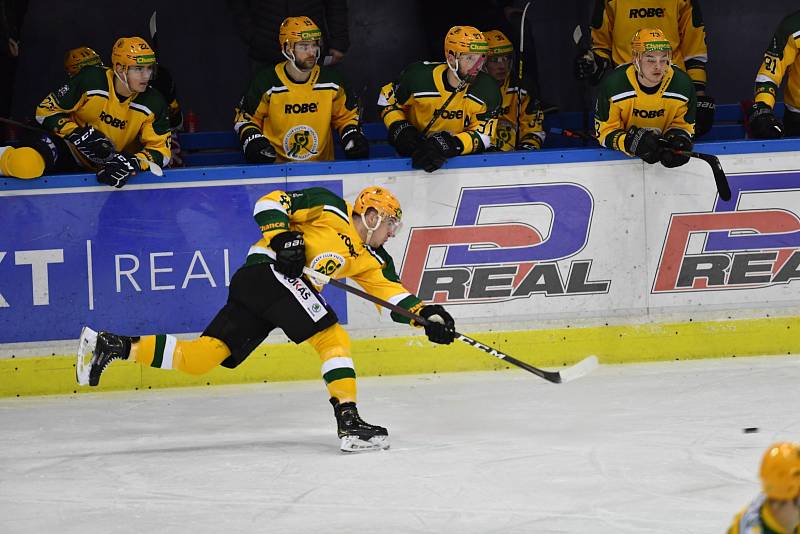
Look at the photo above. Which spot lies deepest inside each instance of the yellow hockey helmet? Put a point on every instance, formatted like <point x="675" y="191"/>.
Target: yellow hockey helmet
<point x="499" y="44"/>
<point x="381" y="199"/>
<point x="294" y="29"/>
<point x="132" y="51"/>
<point x="77" y="58"/>
<point x="780" y="471"/>
<point x="465" y="40"/>
<point x="650" y="40"/>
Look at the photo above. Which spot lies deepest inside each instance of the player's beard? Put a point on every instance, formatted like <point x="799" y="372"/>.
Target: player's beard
<point x="306" y="64"/>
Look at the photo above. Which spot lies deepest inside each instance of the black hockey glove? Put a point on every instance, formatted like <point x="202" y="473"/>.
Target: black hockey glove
<point x="643" y="143"/>
<point x="590" y="67"/>
<point x="441" y="327"/>
<point x="704" y="119"/>
<point x="92" y="144"/>
<point x="675" y="139"/>
<point x="434" y="151"/>
<point x="763" y="123"/>
<point x="404" y="138"/>
<point x="290" y="253"/>
<point x="117" y="170"/>
<point x="355" y="143"/>
<point x="257" y="148"/>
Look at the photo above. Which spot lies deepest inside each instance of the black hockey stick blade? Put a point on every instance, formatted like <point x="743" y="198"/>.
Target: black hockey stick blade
<point x="723" y="188"/>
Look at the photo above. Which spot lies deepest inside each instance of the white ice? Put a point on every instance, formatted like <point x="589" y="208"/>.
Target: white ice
<point x="629" y="449"/>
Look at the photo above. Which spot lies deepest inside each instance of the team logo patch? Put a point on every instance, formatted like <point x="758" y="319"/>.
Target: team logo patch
<point x="301" y="142"/>
<point x="327" y="263"/>
<point x="505" y="134"/>
<point x="61" y="91"/>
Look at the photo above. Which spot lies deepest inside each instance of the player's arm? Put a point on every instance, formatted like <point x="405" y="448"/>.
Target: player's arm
<point x="54" y="112"/>
<point x="531" y="123"/>
<point x="402" y="135"/>
<point x="482" y="110"/>
<point x="780" y="55"/>
<point x="155" y="138"/>
<point x="345" y="118"/>
<point x="693" y="43"/>
<point x="250" y="115"/>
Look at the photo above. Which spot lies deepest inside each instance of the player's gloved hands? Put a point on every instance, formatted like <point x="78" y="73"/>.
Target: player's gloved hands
<point x="591" y="67"/>
<point x="675" y="139"/>
<point x="530" y="143"/>
<point x="117" y="170"/>
<point x="92" y="144"/>
<point x="763" y="123"/>
<point x="643" y="143"/>
<point x="290" y="253"/>
<point x="257" y="148"/>
<point x="434" y="151"/>
<point x="441" y="327"/>
<point x="704" y="119"/>
<point x="355" y="143"/>
<point x="404" y="138"/>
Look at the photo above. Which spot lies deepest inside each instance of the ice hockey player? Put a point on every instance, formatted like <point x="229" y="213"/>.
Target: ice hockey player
<point x="307" y="228"/>
<point x="780" y="60"/>
<point x="499" y="66"/>
<point x="415" y="104"/>
<point x="646" y="108"/>
<point x="289" y="109"/>
<point x="77" y="58"/>
<point x="614" y="21"/>
<point x="105" y="120"/>
<point x="777" y="508"/>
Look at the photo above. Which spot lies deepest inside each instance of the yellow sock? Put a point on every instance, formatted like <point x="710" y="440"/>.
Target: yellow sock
<point x="338" y="371"/>
<point x="166" y="352"/>
<point x="23" y="162"/>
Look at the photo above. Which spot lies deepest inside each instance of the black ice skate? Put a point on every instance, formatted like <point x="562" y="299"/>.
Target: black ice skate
<point x="104" y="348"/>
<point x="357" y="436"/>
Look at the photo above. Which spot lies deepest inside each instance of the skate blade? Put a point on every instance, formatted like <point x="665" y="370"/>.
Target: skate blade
<point x="86" y="345"/>
<point x="355" y="444"/>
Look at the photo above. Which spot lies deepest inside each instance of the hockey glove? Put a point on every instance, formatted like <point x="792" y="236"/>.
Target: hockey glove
<point x="257" y="148"/>
<point x="290" y="253"/>
<point x="355" y="143"/>
<point x="704" y="119"/>
<point x="590" y="67"/>
<point x="92" y="144"/>
<point x="675" y="139"/>
<point x="118" y="169"/>
<point x="404" y="138"/>
<point x="643" y="143"/>
<point x="763" y="123"/>
<point x="441" y="327"/>
<point x="434" y="151"/>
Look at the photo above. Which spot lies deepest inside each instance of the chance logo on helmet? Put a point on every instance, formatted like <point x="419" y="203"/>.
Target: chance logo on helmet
<point x="131" y="51"/>
<point x="650" y="40"/>
<point x="499" y="44"/>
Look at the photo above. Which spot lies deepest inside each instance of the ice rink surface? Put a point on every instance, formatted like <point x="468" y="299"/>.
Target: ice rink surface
<point x="640" y="448"/>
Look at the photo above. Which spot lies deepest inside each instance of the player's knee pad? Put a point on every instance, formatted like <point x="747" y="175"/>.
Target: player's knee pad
<point x="23" y="162"/>
<point x="331" y="342"/>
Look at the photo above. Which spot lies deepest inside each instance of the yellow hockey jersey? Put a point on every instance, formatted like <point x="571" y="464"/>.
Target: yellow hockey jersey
<point x="422" y="89"/>
<point x="781" y="59"/>
<point x="531" y="122"/>
<point x="757" y="518"/>
<point x="622" y="103"/>
<point x="615" y="21"/>
<point x="297" y="117"/>
<point x="138" y="124"/>
<point x="333" y="246"/>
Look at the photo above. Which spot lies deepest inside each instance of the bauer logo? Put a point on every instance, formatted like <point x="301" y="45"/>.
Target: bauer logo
<point x="505" y="243"/>
<point x="750" y="242"/>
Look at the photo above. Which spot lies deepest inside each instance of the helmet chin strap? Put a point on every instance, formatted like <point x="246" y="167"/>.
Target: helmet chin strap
<point x="454" y="69"/>
<point x="372" y="229"/>
<point x="124" y="80"/>
<point x="293" y="60"/>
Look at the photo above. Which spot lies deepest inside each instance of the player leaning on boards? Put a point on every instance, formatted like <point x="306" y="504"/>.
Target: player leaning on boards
<point x="531" y="117"/>
<point x="646" y="108"/>
<point x="106" y="120"/>
<point x="614" y="21"/>
<point x="288" y="110"/>
<point x="436" y="111"/>
<point x="777" y="509"/>
<point x="311" y="227"/>
<point x="780" y="60"/>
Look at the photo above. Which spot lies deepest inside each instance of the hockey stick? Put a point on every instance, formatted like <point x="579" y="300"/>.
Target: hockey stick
<point x="574" y="134"/>
<point x="438" y="112"/>
<point x="584" y="367"/>
<point x="519" y="73"/>
<point x="723" y="188"/>
<point x="577" y="36"/>
<point x="153" y="167"/>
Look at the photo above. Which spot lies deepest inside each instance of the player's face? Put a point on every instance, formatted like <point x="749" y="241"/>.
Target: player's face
<point x="388" y="228"/>
<point x="653" y="66"/>
<point x="498" y="67"/>
<point x="139" y="76"/>
<point x="306" y="54"/>
<point x="469" y="64"/>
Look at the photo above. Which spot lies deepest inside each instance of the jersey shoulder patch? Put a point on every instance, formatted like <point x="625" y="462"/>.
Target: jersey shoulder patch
<point x="616" y="83"/>
<point x="485" y="88"/>
<point x="681" y="83"/>
<point x="418" y="77"/>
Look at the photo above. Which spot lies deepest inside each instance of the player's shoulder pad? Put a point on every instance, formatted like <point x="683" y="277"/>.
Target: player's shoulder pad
<point x="616" y="82"/>
<point x="330" y="75"/>
<point x="153" y="100"/>
<point x="266" y="77"/>
<point x="91" y="77"/>
<point x="389" y="270"/>
<point x="418" y="73"/>
<point x="680" y="83"/>
<point x="485" y="88"/>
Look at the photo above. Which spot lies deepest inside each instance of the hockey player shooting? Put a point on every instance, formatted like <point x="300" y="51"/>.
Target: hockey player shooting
<point x="780" y="60"/>
<point x="106" y="120"/>
<point x="436" y="111"/>
<point x="777" y="509"/>
<point x="288" y="110"/>
<point x="308" y="228"/>
<point x="523" y="116"/>
<point x="646" y="108"/>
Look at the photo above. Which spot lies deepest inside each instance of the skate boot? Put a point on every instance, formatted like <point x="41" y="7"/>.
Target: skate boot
<point x="357" y="436"/>
<point x="104" y="348"/>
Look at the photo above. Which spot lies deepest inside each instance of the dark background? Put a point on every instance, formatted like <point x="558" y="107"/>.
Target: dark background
<point x="199" y="43"/>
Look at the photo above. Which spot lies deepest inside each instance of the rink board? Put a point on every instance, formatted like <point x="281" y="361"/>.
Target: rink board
<point x="574" y="258"/>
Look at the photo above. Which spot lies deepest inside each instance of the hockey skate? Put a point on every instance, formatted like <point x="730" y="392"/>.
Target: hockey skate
<point x="96" y="351"/>
<point x="357" y="436"/>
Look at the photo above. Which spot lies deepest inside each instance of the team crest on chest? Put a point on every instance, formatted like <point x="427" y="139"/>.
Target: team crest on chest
<point x="301" y="142"/>
<point x="327" y="263"/>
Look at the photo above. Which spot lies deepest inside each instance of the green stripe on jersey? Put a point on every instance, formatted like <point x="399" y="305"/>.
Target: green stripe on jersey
<point x="158" y="357"/>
